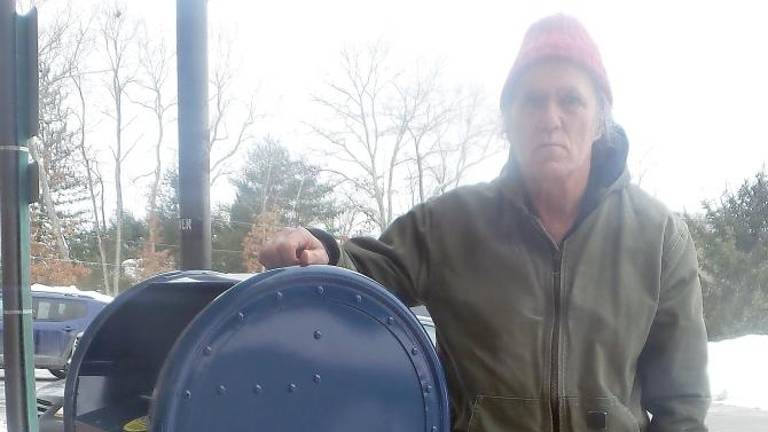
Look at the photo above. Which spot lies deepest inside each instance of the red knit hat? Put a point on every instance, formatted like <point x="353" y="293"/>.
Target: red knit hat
<point x="559" y="37"/>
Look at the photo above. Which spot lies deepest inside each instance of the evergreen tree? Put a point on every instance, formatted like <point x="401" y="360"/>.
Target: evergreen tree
<point x="273" y="190"/>
<point x="732" y="241"/>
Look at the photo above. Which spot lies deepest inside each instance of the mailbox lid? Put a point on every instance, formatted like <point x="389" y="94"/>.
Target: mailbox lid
<point x="317" y="348"/>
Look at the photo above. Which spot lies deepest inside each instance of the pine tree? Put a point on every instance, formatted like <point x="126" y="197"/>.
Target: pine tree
<point x="273" y="190"/>
<point x="732" y="241"/>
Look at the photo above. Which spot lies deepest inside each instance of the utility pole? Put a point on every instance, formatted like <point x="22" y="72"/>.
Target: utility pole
<point x="194" y="161"/>
<point x="18" y="188"/>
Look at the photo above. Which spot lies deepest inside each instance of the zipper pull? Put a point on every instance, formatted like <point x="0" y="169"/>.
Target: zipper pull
<point x="557" y="259"/>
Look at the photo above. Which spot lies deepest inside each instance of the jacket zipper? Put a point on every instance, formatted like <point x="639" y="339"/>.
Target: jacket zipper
<point x="557" y="261"/>
<point x="557" y="264"/>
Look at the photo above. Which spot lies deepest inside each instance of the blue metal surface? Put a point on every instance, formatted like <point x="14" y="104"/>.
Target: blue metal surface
<point x="302" y="349"/>
<point x="318" y="348"/>
<point x="119" y="357"/>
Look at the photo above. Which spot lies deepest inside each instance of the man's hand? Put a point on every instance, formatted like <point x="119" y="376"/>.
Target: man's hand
<point x="293" y="246"/>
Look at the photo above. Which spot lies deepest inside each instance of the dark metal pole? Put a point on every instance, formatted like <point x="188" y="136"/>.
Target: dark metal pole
<point x="18" y="122"/>
<point x="194" y="163"/>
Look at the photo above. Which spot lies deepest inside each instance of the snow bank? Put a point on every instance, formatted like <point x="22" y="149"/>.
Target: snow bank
<point x="738" y="371"/>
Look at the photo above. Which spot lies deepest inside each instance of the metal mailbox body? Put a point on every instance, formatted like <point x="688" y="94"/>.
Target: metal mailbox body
<point x="300" y="349"/>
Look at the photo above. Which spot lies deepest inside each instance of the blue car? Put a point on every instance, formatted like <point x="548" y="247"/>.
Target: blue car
<point x="60" y="315"/>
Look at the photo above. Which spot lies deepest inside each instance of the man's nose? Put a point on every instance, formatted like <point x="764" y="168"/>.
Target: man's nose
<point x="550" y="117"/>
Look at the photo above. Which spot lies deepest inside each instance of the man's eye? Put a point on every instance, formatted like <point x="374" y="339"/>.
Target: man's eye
<point x="572" y="101"/>
<point x="534" y="100"/>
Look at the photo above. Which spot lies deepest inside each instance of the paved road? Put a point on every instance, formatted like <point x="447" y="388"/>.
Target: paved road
<point x="46" y="384"/>
<point x="722" y="418"/>
<point x="725" y="418"/>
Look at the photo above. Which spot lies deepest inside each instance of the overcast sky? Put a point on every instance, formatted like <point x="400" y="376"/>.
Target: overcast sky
<point x="690" y="79"/>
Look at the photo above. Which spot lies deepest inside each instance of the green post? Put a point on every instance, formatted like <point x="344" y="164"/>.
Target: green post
<point x="18" y="123"/>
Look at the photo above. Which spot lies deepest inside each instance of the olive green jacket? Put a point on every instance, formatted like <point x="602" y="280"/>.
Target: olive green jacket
<point x="590" y="334"/>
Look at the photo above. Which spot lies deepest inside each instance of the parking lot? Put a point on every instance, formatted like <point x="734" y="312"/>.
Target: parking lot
<point x="46" y="384"/>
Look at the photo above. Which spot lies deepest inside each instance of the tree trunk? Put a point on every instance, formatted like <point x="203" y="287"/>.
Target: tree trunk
<point x="118" y="187"/>
<point x="420" y="172"/>
<point x="90" y="185"/>
<point x="48" y="204"/>
<point x="153" y="219"/>
<point x="295" y="210"/>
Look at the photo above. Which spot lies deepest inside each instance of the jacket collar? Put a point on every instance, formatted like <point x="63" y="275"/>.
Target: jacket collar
<point x="608" y="173"/>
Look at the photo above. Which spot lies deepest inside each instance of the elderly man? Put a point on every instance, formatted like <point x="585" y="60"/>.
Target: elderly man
<point x="565" y="298"/>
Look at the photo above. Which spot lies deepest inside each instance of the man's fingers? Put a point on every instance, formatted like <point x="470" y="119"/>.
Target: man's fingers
<point x="313" y="257"/>
<point x="293" y="246"/>
<point x="287" y="253"/>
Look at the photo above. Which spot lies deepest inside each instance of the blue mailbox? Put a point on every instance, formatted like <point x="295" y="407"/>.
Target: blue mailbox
<point x="317" y="349"/>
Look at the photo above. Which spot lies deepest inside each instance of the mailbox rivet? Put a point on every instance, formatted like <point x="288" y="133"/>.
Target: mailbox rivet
<point x="427" y="388"/>
<point x="187" y="394"/>
<point x="208" y="350"/>
<point x="279" y="295"/>
<point x="318" y="334"/>
<point x="358" y="298"/>
<point x="434" y="428"/>
<point x="221" y="390"/>
<point x="241" y="316"/>
<point x="320" y="290"/>
<point x="257" y="389"/>
<point x="292" y="388"/>
<point x="414" y="351"/>
<point x="316" y="379"/>
<point x="390" y="320"/>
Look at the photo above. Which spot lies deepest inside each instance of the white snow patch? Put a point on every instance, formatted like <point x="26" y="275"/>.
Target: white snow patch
<point x="738" y="371"/>
<point x="71" y="290"/>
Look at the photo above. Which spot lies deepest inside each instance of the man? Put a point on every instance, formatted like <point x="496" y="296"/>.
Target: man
<point x="565" y="298"/>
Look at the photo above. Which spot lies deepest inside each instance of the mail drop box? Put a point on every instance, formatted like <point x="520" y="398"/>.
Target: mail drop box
<point x="317" y="349"/>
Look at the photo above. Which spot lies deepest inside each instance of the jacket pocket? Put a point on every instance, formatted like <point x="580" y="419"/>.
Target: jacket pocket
<point x="504" y="414"/>
<point x="599" y="414"/>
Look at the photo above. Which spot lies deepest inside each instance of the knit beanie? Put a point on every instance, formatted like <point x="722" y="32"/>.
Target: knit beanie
<point x="557" y="37"/>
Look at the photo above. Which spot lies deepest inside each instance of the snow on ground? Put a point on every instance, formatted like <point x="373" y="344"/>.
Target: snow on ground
<point x="738" y="371"/>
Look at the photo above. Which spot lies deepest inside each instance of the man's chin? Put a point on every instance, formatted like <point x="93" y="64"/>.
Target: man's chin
<point x="552" y="168"/>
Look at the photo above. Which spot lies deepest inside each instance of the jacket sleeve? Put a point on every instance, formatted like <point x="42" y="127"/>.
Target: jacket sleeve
<point x="400" y="259"/>
<point x="673" y="365"/>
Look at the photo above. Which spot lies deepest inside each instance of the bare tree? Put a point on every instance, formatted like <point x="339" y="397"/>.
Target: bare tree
<point x="90" y="162"/>
<point x="59" y="51"/>
<point x="393" y="134"/>
<point x="78" y="76"/>
<point x="118" y="35"/>
<point x="470" y="139"/>
<point x="92" y="179"/>
<point x="155" y="64"/>
<point x="48" y="203"/>
<point x="351" y="220"/>
<point x="227" y="135"/>
<point x="431" y="119"/>
<point x="369" y="127"/>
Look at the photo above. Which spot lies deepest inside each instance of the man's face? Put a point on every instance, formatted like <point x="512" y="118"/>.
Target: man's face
<point x="553" y="120"/>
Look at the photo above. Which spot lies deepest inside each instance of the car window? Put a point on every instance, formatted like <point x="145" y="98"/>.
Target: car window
<point x="57" y="310"/>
